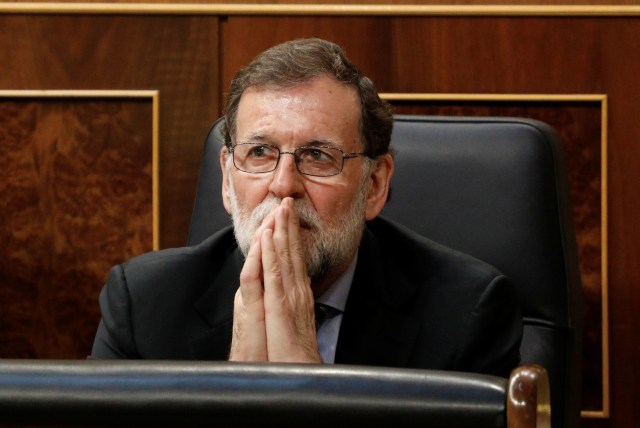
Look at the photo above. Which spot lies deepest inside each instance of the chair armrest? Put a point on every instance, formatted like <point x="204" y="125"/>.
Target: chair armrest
<point x="248" y="395"/>
<point x="528" y="402"/>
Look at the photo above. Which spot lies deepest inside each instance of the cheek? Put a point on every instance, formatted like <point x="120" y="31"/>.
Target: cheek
<point x="333" y="202"/>
<point x="250" y="190"/>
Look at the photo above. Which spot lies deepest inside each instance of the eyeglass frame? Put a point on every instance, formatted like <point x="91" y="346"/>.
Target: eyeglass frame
<point x="296" y="158"/>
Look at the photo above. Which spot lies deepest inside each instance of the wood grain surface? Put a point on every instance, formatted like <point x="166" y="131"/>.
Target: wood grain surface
<point x="190" y="59"/>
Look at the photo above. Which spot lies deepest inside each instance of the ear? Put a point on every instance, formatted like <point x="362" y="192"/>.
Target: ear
<point x="224" y="153"/>
<point x="379" y="182"/>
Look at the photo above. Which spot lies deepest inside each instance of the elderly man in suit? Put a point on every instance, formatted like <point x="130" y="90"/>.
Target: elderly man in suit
<point x="306" y="171"/>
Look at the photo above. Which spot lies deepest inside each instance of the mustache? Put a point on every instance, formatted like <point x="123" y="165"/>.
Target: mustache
<point x="307" y="215"/>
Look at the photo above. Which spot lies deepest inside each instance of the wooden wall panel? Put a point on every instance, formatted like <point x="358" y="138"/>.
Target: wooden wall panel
<point x="49" y="283"/>
<point x="190" y="58"/>
<point x="176" y="55"/>
<point x="366" y="40"/>
<point x="76" y="190"/>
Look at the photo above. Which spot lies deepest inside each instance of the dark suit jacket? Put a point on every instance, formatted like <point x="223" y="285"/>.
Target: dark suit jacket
<point x="413" y="303"/>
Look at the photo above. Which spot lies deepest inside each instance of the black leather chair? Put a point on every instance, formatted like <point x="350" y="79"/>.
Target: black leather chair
<point x="495" y="188"/>
<point x="492" y="187"/>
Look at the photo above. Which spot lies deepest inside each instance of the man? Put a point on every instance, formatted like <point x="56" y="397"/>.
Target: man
<point x="306" y="170"/>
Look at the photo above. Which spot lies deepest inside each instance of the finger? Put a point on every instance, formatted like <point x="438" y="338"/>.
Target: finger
<point x="279" y="307"/>
<point x="251" y="286"/>
<point x="288" y="303"/>
<point x="296" y="248"/>
<point x="271" y="272"/>
<point x="281" y="243"/>
<point x="267" y="223"/>
<point x="297" y="283"/>
<point x="249" y="337"/>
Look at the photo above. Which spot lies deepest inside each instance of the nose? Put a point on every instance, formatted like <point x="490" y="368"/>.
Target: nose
<point x="286" y="179"/>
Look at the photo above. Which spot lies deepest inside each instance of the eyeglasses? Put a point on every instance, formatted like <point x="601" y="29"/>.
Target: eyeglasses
<point x="318" y="161"/>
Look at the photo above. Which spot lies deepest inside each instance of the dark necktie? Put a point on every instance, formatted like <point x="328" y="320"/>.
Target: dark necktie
<point x="323" y="312"/>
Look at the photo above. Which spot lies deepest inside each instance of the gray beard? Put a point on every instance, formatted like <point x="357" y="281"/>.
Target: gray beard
<point x="329" y="245"/>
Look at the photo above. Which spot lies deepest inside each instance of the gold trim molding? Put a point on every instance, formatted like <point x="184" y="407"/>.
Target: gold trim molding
<point x="111" y="94"/>
<point x="602" y="99"/>
<point x="318" y="9"/>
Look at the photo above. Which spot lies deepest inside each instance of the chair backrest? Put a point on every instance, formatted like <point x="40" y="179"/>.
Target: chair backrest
<point x="495" y="188"/>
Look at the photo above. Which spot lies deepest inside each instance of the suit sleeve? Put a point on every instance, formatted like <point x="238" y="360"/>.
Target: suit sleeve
<point x="491" y="342"/>
<point x="114" y="338"/>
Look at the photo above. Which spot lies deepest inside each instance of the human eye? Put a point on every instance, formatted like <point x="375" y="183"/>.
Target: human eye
<point x="252" y="157"/>
<point x="258" y="151"/>
<point x="319" y="154"/>
<point x="319" y="161"/>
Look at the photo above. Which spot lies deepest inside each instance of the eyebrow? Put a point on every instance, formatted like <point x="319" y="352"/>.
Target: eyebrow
<point x="259" y="137"/>
<point x="325" y="142"/>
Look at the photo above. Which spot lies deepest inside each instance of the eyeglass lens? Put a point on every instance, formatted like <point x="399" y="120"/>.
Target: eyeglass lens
<point x="260" y="158"/>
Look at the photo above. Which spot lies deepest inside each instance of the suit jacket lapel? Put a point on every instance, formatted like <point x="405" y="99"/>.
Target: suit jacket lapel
<point x="374" y="329"/>
<point x="216" y="307"/>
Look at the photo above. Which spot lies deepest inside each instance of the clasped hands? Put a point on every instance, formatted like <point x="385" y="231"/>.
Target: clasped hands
<point x="273" y="308"/>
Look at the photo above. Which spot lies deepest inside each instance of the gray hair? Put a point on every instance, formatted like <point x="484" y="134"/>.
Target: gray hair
<point x="296" y="62"/>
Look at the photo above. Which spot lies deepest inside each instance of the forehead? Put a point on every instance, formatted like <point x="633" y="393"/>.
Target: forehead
<point x="319" y="109"/>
